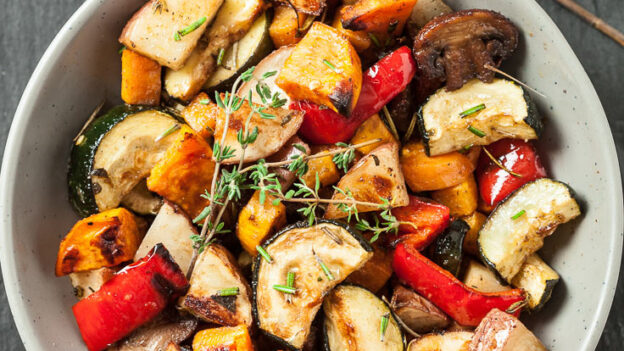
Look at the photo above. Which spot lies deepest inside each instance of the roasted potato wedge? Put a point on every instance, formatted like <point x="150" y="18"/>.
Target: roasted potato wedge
<point x="104" y="239"/>
<point x="452" y="341"/>
<point x="418" y="313"/>
<point x="504" y="332"/>
<point x="86" y="283"/>
<point x="325" y="69"/>
<point x="479" y="277"/>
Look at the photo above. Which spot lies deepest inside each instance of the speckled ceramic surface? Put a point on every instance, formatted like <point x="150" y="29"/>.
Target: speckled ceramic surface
<point x="81" y="68"/>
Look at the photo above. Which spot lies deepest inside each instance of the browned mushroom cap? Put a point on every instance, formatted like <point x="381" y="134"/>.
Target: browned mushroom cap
<point x="455" y="48"/>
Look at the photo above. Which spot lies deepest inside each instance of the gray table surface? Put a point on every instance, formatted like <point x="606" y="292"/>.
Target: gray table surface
<point x="28" y="26"/>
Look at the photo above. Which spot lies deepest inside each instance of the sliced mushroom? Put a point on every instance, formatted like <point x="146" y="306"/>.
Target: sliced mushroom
<point x="418" y="313"/>
<point x="456" y="47"/>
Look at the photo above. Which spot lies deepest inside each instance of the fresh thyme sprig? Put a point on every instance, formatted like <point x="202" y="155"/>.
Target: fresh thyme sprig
<point x="343" y="159"/>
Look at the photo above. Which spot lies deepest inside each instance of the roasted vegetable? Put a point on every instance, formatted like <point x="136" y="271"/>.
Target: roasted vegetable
<point x="257" y="221"/>
<point x="375" y="177"/>
<point x="325" y="167"/>
<point x="422" y="220"/>
<point x="320" y="257"/>
<point x="517" y="156"/>
<point x="359" y="39"/>
<point x="504" y="332"/>
<point x="477" y="114"/>
<point x="174" y="229"/>
<point x="218" y="293"/>
<point x="373" y="128"/>
<point x="181" y="176"/>
<point x="380" y="84"/>
<point x="352" y="321"/>
<point x="538" y="280"/>
<point x="114" y="154"/>
<point x="424" y="173"/>
<point x="103" y="240"/>
<point x="88" y="282"/>
<point x="243" y="54"/>
<point x="479" y="277"/>
<point x="325" y="69"/>
<point x="462" y="303"/>
<point x="423" y="12"/>
<point x="476" y="222"/>
<point x="293" y="148"/>
<point x="518" y="226"/>
<point x="273" y="133"/>
<point x="232" y="22"/>
<point x="274" y="62"/>
<point x="201" y="115"/>
<point x="142" y="201"/>
<point x="461" y="199"/>
<point x="310" y="7"/>
<point x="168" y="328"/>
<point x="146" y="286"/>
<point x="169" y="32"/>
<point x="418" y="313"/>
<point x="287" y="27"/>
<point x="384" y="17"/>
<point x="456" y="47"/>
<point x="223" y="339"/>
<point x="447" y="250"/>
<point x="376" y="272"/>
<point x="140" y="79"/>
<point x="452" y="341"/>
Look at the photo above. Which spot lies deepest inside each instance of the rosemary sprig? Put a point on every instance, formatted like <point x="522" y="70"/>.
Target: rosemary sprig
<point x="476" y="132"/>
<point x="326" y="270"/>
<point x="192" y="27"/>
<point x="472" y="111"/>
<point x="518" y="215"/>
<point x="167" y="132"/>
<point x="500" y="165"/>
<point x="228" y="291"/>
<point x="383" y="326"/>
<point x="330" y="65"/>
<point x="284" y="289"/>
<point x="220" y="56"/>
<point x="264" y="254"/>
<point x="374" y="39"/>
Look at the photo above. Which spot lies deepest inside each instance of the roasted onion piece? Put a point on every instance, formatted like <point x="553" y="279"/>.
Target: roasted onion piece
<point x="456" y="47"/>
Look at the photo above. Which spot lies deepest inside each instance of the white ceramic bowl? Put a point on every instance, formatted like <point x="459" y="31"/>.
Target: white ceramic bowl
<point x="82" y="67"/>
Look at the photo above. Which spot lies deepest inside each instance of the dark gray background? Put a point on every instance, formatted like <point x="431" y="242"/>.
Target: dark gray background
<point x="28" y="26"/>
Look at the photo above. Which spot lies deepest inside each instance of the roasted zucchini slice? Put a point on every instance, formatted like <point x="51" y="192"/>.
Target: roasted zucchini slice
<point x="243" y="54"/>
<point x="480" y="278"/>
<point x="115" y="153"/>
<point x="538" y="280"/>
<point x="477" y="114"/>
<point x="517" y="227"/>
<point x="142" y="201"/>
<point x="353" y="321"/>
<point x="447" y="250"/>
<point x="320" y="256"/>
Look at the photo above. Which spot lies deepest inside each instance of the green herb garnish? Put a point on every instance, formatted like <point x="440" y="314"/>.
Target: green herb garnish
<point x="326" y="270"/>
<point x="476" y="131"/>
<point x="472" y="110"/>
<point x="228" y="291"/>
<point x="373" y="37"/>
<point x="518" y="215"/>
<point x="193" y="26"/>
<point x="220" y="56"/>
<point x="383" y="326"/>
<point x="167" y="132"/>
<point x="264" y="254"/>
<point x="285" y="289"/>
<point x="330" y="65"/>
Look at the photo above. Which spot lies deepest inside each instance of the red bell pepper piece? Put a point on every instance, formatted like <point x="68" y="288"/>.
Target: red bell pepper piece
<point x="465" y="305"/>
<point x="380" y="84"/>
<point x="518" y="156"/>
<point x="427" y="219"/>
<point x="132" y="297"/>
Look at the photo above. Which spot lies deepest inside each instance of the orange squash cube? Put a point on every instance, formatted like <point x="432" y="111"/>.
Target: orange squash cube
<point x="201" y="115"/>
<point x="223" y="339"/>
<point x="140" y="79"/>
<point x="284" y="29"/>
<point x="378" y="16"/>
<point x="257" y="221"/>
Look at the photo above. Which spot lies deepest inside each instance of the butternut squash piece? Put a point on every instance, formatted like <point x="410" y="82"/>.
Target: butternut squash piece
<point x="310" y="7"/>
<point x="201" y="115"/>
<point x="173" y="347"/>
<point x="257" y="221"/>
<point x="359" y="39"/>
<point x="475" y="221"/>
<point x="223" y="339"/>
<point x="324" y="68"/>
<point x="284" y="29"/>
<point x="327" y="171"/>
<point x="184" y="172"/>
<point x="378" y="16"/>
<point x="424" y="173"/>
<point x="104" y="239"/>
<point x="372" y="128"/>
<point x="140" y="79"/>
<point x="461" y="199"/>
<point x="376" y="272"/>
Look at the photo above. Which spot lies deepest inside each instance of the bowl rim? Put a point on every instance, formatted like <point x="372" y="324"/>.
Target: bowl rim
<point x="89" y="8"/>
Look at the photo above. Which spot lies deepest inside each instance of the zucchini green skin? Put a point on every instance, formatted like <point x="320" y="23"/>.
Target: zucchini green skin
<point x="482" y="255"/>
<point x="326" y="346"/>
<point x="81" y="194"/>
<point x="447" y="249"/>
<point x="548" y="289"/>
<point x="262" y="50"/>
<point x="258" y="261"/>
<point x="533" y="119"/>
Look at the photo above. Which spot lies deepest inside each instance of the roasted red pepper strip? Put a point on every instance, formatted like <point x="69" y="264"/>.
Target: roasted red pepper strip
<point x="462" y="303"/>
<point x="132" y="297"/>
<point x="427" y="219"/>
<point x="518" y="156"/>
<point x="380" y="84"/>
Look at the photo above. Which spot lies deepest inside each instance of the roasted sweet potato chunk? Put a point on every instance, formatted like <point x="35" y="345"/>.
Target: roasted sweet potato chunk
<point x="324" y="68"/>
<point x="424" y="173"/>
<point x="324" y="166"/>
<point x="461" y="199"/>
<point x="184" y="172"/>
<point x="310" y="7"/>
<point x="223" y="339"/>
<point x="140" y="79"/>
<point x="376" y="272"/>
<point x="476" y="222"/>
<point x="373" y="128"/>
<point x="378" y="16"/>
<point x="256" y="221"/>
<point x="359" y="39"/>
<point x="201" y="115"/>
<point x="286" y="26"/>
<point x="102" y="240"/>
